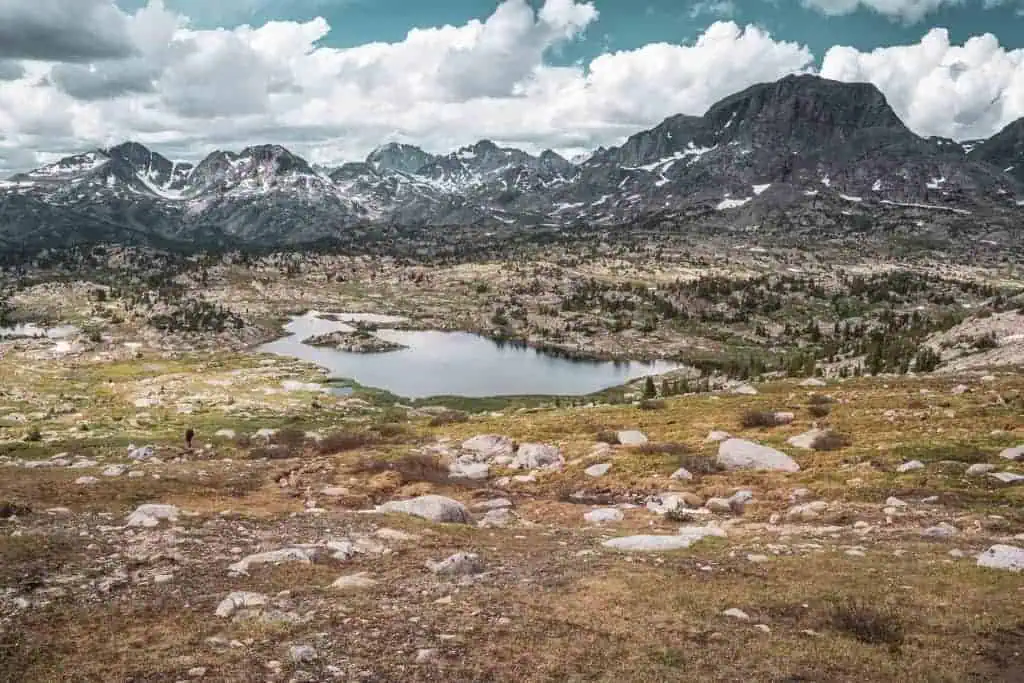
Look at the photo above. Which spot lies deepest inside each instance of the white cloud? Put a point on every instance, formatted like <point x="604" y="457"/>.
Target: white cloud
<point x="187" y="91"/>
<point x="62" y="30"/>
<point x="909" y="11"/>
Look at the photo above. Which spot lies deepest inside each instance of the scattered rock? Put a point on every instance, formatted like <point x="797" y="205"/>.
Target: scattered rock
<point x="813" y="382"/>
<point x="499" y="517"/>
<point x="682" y="474"/>
<point x="354" y="582"/>
<point x="434" y="508"/>
<point x="979" y="469"/>
<point x="598" y="470"/>
<point x="808" y="512"/>
<point x="1015" y="453"/>
<point x="459" y="564"/>
<point x="717" y="437"/>
<point x="486" y="447"/>
<point x="806" y="440"/>
<point x="532" y="456"/>
<point x="225" y="434"/>
<point x="601" y="515"/>
<point x="239" y="600"/>
<point x="474" y="471"/>
<point x="114" y="471"/>
<point x="425" y="655"/>
<point x="940" y="530"/>
<point x="894" y="502"/>
<point x="632" y="437"/>
<point x="959" y="389"/>
<point x="784" y="418"/>
<point x="910" y="466"/>
<point x="302" y="654"/>
<point x="1007" y="557"/>
<point x="736" y="613"/>
<point x="686" y="537"/>
<point x="744" y="390"/>
<point x="151" y="514"/>
<point x="143" y="453"/>
<point x="735" y="454"/>
<point x="271" y="557"/>
<point x="86" y="481"/>
<point x="1007" y="477"/>
<point x="720" y="506"/>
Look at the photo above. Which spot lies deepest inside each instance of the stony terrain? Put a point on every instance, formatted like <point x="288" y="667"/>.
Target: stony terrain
<point x="863" y="529"/>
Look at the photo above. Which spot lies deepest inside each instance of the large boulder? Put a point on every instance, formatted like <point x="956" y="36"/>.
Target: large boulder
<point x="632" y="437"/>
<point x="487" y="447"/>
<point x="1007" y="557"/>
<point x="1015" y="453"/>
<point x="433" y="508"/>
<point x="739" y="454"/>
<point x="686" y="537"/>
<point x="531" y="456"/>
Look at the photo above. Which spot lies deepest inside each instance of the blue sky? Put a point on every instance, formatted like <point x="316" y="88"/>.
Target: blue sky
<point x="627" y="24"/>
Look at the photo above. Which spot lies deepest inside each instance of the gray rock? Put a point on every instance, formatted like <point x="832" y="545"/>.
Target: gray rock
<point x="744" y="390"/>
<point x="302" y="654"/>
<point x="736" y="613"/>
<point x="717" y="436"/>
<point x="114" y="471"/>
<point x="910" y="466"/>
<point x="894" y="502"/>
<point x="720" y="506"/>
<point x="499" y="517"/>
<point x="959" y="389"/>
<point x="807" y="439"/>
<point x="225" y="434"/>
<point x="1015" y="453"/>
<point x="598" y="470"/>
<point x="532" y="456"/>
<point x="239" y="600"/>
<point x="1007" y="477"/>
<point x="808" y="512"/>
<point x="979" y="469"/>
<point x="486" y="447"/>
<point x="354" y="582"/>
<point x="813" y="382"/>
<point x="686" y="537"/>
<point x="151" y="514"/>
<point x="142" y="453"/>
<point x="941" y="530"/>
<point x="1007" y="557"/>
<point x="425" y="655"/>
<point x="272" y="557"/>
<point x="86" y="481"/>
<point x="459" y="564"/>
<point x="682" y="474"/>
<point x="602" y="515"/>
<point x="784" y="418"/>
<point x="737" y="454"/>
<point x="474" y="471"/>
<point x="631" y="437"/>
<point x="434" y="508"/>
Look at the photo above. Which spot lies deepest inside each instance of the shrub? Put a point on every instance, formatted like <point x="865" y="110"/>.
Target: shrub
<point x="449" y="417"/>
<point x="243" y="441"/>
<point x="391" y="430"/>
<point x="289" y="437"/>
<point x="666" y="448"/>
<point x="33" y="434"/>
<point x="868" y="623"/>
<point x="820" y="400"/>
<point x="830" y="441"/>
<point x="608" y="436"/>
<point x="413" y="468"/>
<point x="819" y="410"/>
<point x="273" y="452"/>
<point x="700" y="464"/>
<point x="758" y="418"/>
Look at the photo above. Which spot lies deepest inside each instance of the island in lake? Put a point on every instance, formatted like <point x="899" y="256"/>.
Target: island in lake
<point x="356" y="341"/>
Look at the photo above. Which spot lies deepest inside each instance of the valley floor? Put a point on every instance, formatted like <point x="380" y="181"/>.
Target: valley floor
<point x="878" y="581"/>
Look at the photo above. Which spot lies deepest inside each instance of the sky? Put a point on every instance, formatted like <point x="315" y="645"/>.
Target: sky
<point x="332" y="79"/>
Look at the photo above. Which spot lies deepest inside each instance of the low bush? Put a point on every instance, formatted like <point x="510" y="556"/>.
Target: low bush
<point x="758" y="418"/>
<point x="830" y="441"/>
<point x="869" y="623"/>
<point x="449" y="417"/>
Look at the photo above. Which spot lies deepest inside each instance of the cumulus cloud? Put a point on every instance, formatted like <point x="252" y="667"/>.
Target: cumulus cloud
<point x="909" y="11"/>
<point x="11" y="70"/>
<point x="62" y="30"/>
<point x="187" y="91"/>
<point x="959" y="91"/>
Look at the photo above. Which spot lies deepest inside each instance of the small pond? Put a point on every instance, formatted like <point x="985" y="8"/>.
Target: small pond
<point x="453" y="363"/>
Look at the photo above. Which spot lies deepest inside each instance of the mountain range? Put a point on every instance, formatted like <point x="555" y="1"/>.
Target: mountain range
<point x="796" y="144"/>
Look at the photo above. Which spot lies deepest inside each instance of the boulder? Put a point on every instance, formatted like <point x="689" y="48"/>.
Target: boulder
<point x="686" y="537"/>
<point x="459" y="564"/>
<point x="434" y="508"/>
<point x="682" y="474"/>
<point x="979" y="469"/>
<point x="237" y="600"/>
<point x="151" y="514"/>
<point x="910" y="466"/>
<point x="813" y="382"/>
<point x="1007" y="557"/>
<point x="744" y="390"/>
<point x="353" y="582"/>
<point x="493" y="504"/>
<point x="271" y="557"/>
<point x="598" y="470"/>
<point x="940" y="530"/>
<point x="720" y="506"/>
<point x="632" y="437"/>
<point x="739" y="454"/>
<point x="807" y="439"/>
<point x="474" y="471"/>
<point x="487" y="447"/>
<point x="784" y="418"/>
<point x="142" y="453"/>
<point x="1007" y="477"/>
<point x="532" y="456"/>
<point x="808" y="512"/>
<point x="717" y="436"/>
<point x="225" y="434"/>
<point x="499" y="517"/>
<point x="114" y="470"/>
<point x="602" y="515"/>
<point x="1015" y="453"/>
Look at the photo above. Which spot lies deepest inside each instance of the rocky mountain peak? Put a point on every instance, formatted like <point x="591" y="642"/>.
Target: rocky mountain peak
<point x="396" y="156"/>
<point x="1004" y="150"/>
